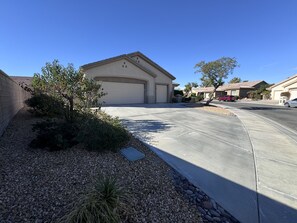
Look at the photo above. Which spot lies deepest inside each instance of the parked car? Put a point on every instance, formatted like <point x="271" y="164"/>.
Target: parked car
<point x="291" y="103"/>
<point x="227" y="98"/>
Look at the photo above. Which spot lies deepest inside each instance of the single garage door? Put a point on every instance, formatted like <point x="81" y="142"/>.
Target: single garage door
<point x="293" y="94"/>
<point x="161" y="93"/>
<point x="123" y="93"/>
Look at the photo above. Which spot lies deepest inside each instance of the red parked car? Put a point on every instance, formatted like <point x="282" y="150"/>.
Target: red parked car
<point x="227" y="98"/>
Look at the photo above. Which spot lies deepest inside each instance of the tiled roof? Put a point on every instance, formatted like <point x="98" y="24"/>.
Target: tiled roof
<point x="248" y="85"/>
<point x="22" y="80"/>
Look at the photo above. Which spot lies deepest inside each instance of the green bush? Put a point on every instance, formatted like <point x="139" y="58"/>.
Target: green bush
<point x="54" y="135"/>
<point x="178" y="92"/>
<point x="45" y="105"/>
<point x="101" y="132"/>
<point x="104" y="204"/>
<point x="199" y="97"/>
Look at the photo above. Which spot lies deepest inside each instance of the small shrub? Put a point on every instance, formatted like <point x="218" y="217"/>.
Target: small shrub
<point x="103" y="204"/>
<point x="178" y="92"/>
<point x="45" y="105"/>
<point x="54" y="135"/>
<point x="199" y="97"/>
<point x="101" y="132"/>
<point x="174" y="100"/>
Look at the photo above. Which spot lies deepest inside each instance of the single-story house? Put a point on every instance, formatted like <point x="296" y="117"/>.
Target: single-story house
<point x="22" y="80"/>
<point x="131" y="79"/>
<point x="286" y="88"/>
<point x="236" y="89"/>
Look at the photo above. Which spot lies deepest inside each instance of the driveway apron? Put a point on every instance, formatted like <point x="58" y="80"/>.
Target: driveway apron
<point x="275" y="151"/>
<point x="213" y="151"/>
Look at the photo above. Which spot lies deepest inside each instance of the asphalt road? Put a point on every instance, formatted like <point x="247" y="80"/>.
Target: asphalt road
<point x="284" y="116"/>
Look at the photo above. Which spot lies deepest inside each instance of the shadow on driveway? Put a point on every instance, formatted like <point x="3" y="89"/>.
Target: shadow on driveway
<point x="144" y="128"/>
<point x="215" y="186"/>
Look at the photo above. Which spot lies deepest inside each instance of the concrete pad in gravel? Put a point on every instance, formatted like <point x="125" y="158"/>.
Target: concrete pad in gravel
<point x="132" y="154"/>
<point x="213" y="151"/>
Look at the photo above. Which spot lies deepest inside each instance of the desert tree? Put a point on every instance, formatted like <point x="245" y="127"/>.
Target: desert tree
<point x="214" y="72"/>
<point x="235" y="80"/>
<point x="68" y="85"/>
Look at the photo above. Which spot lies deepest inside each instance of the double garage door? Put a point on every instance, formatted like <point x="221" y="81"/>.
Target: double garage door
<point x="130" y="93"/>
<point x="123" y="93"/>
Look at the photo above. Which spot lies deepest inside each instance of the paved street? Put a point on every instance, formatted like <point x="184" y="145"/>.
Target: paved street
<point x="229" y="158"/>
<point x="280" y="114"/>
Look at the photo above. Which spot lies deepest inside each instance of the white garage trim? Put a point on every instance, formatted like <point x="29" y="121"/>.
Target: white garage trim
<point x="123" y="90"/>
<point x="161" y="93"/>
<point x="293" y="93"/>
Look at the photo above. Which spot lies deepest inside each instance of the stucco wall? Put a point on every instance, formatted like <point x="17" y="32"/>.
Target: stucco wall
<point x="12" y="98"/>
<point x="287" y="86"/>
<point x="161" y="78"/>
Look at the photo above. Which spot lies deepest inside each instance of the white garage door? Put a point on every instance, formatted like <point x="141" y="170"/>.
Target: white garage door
<point x="161" y="93"/>
<point x="276" y="95"/>
<point x="123" y="93"/>
<point x="293" y="94"/>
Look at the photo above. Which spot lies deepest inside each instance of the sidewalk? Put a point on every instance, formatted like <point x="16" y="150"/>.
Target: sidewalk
<point x="275" y="152"/>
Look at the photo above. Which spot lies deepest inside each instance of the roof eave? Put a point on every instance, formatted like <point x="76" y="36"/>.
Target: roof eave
<point x="137" y="53"/>
<point x="114" y="59"/>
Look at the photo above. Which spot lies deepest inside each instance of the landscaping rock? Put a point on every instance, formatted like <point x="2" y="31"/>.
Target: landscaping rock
<point x="209" y="209"/>
<point x="41" y="186"/>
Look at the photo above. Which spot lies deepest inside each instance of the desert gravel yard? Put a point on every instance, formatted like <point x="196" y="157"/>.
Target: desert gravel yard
<point x="41" y="186"/>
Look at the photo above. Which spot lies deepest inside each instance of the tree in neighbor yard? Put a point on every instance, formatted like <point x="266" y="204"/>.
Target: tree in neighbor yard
<point x="189" y="86"/>
<point x="235" y="80"/>
<point x="68" y="85"/>
<point x="214" y="72"/>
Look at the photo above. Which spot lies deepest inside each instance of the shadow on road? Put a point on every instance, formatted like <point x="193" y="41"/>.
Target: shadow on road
<point x="263" y="108"/>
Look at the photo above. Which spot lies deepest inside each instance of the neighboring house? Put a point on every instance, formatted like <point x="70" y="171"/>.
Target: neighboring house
<point x="237" y="89"/>
<point x="22" y="81"/>
<point x="287" y="88"/>
<point x="131" y="79"/>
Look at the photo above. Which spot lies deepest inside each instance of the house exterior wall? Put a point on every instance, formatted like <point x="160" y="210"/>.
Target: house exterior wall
<point x="288" y="86"/>
<point x="161" y="77"/>
<point x="12" y="98"/>
<point x="243" y="93"/>
<point x="124" y="69"/>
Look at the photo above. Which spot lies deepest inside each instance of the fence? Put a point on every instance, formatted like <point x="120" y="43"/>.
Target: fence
<point x="12" y="98"/>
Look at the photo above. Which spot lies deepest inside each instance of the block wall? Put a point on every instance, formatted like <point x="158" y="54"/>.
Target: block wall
<point x="12" y="98"/>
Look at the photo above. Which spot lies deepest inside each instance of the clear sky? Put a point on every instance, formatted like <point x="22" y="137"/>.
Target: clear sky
<point x="176" y="34"/>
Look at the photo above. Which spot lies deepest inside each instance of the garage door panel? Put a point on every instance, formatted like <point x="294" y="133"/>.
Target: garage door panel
<point x="123" y="93"/>
<point x="161" y="93"/>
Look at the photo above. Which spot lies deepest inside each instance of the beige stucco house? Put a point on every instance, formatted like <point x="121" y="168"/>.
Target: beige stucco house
<point x="237" y="89"/>
<point x="286" y="88"/>
<point x="131" y="79"/>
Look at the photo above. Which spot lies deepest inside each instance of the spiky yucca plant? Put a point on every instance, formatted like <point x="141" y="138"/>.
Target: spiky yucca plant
<point x="102" y="205"/>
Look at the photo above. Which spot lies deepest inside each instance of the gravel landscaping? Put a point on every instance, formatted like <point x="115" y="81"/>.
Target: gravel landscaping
<point x="41" y="186"/>
<point x="210" y="108"/>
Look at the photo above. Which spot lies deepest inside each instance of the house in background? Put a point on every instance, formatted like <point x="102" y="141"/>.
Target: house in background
<point x="131" y="79"/>
<point x="286" y="88"/>
<point x="22" y="80"/>
<point x="237" y="89"/>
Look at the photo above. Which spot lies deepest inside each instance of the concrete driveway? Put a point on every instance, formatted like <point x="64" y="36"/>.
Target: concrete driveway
<point x="229" y="158"/>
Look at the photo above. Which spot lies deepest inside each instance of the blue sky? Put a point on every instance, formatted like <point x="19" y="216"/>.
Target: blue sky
<point x="176" y="34"/>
